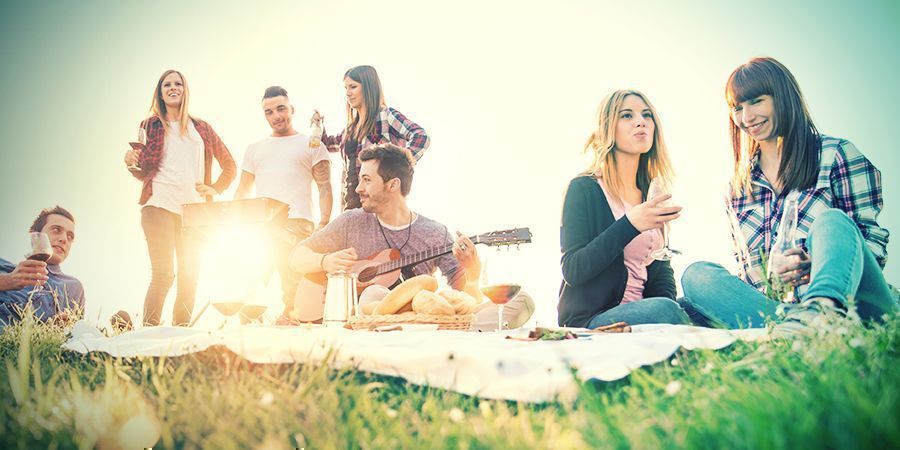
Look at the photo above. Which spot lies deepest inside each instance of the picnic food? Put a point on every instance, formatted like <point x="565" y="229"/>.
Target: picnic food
<point x="461" y="302"/>
<point x="368" y="308"/>
<point x="403" y="294"/>
<point x="428" y="302"/>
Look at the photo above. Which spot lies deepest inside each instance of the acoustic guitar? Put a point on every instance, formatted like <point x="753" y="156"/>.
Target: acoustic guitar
<point x="384" y="268"/>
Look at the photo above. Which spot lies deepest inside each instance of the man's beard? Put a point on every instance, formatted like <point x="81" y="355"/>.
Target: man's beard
<point x="371" y="202"/>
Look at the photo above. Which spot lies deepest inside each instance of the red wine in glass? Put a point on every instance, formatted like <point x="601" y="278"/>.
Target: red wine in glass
<point x="500" y="295"/>
<point x="43" y="257"/>
<point x="41" y="250"/>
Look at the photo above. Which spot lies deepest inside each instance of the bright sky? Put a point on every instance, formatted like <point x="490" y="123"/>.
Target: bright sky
<point x="507" y="91"/>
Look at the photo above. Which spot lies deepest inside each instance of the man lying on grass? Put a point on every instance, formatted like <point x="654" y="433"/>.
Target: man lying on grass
<point x="62" y="295"/>
<point x="385" y="221"/>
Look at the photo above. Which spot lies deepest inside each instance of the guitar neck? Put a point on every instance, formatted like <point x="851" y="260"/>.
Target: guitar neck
<point x="416" y="258"/>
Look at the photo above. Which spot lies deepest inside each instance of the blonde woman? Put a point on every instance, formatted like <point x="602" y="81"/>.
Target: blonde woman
<point x="176" y="168"/>
<point x="609" y="230"/>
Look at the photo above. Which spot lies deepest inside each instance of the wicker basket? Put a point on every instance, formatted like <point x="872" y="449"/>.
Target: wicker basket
<point x="456" y="322"/>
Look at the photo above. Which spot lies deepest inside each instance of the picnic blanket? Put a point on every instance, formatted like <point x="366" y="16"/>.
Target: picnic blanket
<point x="486" y="365"/>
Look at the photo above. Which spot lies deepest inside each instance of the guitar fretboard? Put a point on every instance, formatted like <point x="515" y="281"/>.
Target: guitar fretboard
<point x="414" y="259"/>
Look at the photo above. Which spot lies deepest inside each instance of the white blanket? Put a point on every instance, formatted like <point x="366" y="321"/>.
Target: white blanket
<point x="482" y="364"/>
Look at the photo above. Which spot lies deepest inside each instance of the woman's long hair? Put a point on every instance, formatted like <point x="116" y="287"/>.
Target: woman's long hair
<point x="373" y="98"/>
<point x="158" y="105"/>
<point x="602" y="143"/>
<point x="798" y="138"/>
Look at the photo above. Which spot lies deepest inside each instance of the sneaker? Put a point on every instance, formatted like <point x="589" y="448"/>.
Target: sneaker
<point x="811" y="316"/>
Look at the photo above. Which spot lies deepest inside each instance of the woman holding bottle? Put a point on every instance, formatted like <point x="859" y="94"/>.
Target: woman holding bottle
<point x="369" y="122"/>
<point x="837" y="250"/>
<point x="175" y="166"/>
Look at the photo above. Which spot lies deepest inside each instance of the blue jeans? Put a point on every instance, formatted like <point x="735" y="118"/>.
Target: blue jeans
<point x="843" y="269"/>
<point x="648" y="310"/>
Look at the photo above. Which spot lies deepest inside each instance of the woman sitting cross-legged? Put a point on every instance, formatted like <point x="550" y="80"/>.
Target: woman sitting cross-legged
<point x="609" y="229"/>
<point x="839" y="248"/>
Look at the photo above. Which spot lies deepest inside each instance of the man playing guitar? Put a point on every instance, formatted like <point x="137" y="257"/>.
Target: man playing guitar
<point x="386" y="222"/>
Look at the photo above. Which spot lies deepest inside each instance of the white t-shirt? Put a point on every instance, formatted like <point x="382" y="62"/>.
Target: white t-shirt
<point x="283" y="170"/>
<point x="180" y="169"/>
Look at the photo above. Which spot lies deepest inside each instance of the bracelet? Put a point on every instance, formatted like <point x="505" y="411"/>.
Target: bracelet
<point x="322" y="261"/>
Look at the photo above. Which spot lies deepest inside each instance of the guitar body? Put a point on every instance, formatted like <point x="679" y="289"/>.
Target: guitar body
<point x="309" y="302"/>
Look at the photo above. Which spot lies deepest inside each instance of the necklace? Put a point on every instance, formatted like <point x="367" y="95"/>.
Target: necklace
<point x="408" y="233"/>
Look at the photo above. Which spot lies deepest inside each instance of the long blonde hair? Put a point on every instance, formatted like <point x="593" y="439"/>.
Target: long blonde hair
<point x="158" y="105"/>
<point x="602" y="143"/>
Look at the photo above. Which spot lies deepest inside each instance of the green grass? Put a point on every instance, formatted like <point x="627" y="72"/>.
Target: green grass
<point x="841" y="390"/>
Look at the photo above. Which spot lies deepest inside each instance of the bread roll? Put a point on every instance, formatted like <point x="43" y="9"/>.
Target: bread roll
<point x="461" y="301"/>
<point x="403" y="294"/>
<point x="427" y="302"/>
<point x="368" y="308"/>
<point x="371" y="296"/>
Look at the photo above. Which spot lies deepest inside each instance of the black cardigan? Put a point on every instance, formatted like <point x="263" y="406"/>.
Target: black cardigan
<point x="593" y="258"/>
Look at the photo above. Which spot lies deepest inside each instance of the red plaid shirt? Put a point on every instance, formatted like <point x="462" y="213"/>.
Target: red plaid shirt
<point x="213" y="147"/>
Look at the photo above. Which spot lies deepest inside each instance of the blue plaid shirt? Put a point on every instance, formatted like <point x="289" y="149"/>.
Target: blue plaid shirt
<point x="847" y="181"/>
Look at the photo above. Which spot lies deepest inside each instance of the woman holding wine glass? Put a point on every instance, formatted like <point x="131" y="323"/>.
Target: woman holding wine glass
<point x="834" y="252"/>
<point x="175" y="166"/>
<point x="611" y="226"/>
<point x="369" y="122"/>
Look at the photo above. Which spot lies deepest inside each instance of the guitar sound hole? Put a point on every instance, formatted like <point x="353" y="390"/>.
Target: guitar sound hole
<point x="366" y="275"/>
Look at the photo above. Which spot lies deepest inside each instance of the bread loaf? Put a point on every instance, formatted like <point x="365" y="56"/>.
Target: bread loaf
<point x="368" y="308"/>
<point x="461" y="301"/>
<point x="403" y="294"/>
<point x="427" y="302"/>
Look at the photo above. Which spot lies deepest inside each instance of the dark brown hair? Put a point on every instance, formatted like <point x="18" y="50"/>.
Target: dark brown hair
<point x="373" y="98"/>
<point x="274" y="91"/>
<point x="797" y="135"/>
<point x="41" y="220"/>
<point x="393" y="162"/>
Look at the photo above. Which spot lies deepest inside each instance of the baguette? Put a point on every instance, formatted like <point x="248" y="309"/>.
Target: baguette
<point x="403" y="294"/>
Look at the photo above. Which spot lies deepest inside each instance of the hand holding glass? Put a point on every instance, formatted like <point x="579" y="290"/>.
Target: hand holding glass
<point x="139" y="146"/>
<point x="665" y="253"/>
<point x="41" y="250"/>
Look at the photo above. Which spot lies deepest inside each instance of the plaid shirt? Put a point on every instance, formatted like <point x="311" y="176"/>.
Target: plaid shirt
<point x="391" y="126"/>
<point x="152" y="155"/>
<point x="846" y="181"/>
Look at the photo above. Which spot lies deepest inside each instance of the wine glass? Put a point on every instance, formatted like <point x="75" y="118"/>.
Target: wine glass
<point x="500" y="295"/>
<point x="737" y="235"/>
<point x="251" y="313"/>
<point x="500" y="288"/>
<point x="41" y="250"/>
<point x="140" y="144"/>
<point x="665" y="253"/>
<point x="227" y="307"/>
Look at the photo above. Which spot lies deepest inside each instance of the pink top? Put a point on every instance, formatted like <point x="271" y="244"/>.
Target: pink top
<point x="637" y="252"/>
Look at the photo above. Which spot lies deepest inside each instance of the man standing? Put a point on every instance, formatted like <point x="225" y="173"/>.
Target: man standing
<point x="62" y="294"/>
<point x="385" y="221"/>
<point x="283" y="166"/>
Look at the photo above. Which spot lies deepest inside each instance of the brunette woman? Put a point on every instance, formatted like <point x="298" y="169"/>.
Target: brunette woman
<point x="369" y="122"/>
<point x="839" y="248"/>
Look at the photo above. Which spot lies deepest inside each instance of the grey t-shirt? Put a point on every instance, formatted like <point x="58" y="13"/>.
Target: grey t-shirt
<point x="361" y="230"/>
